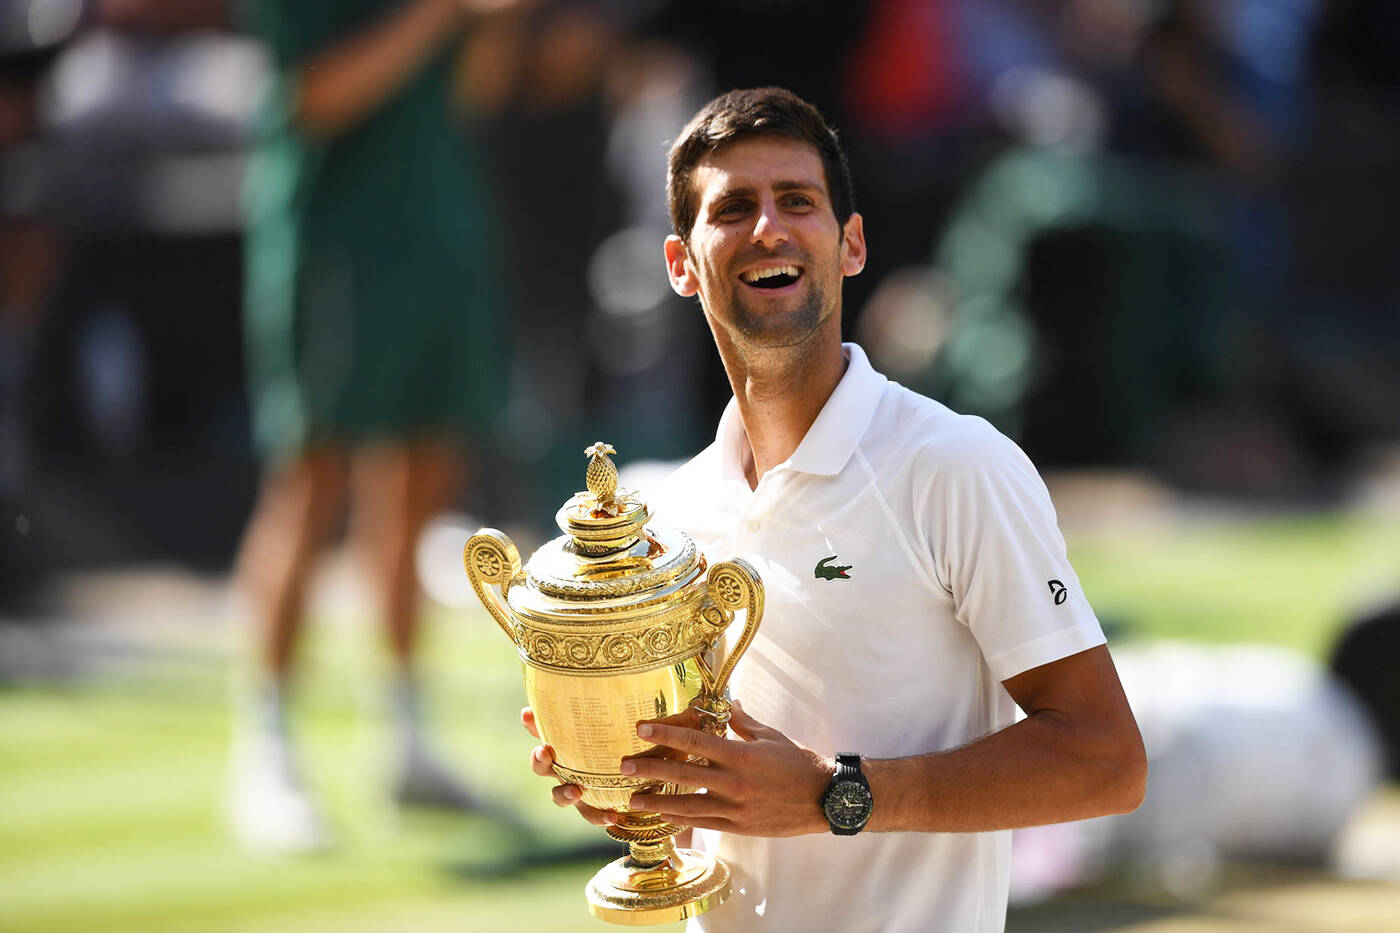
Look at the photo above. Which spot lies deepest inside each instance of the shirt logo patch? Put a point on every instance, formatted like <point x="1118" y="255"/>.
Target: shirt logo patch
<point x="825" y="570"/>
<point x="1057" y="589"/>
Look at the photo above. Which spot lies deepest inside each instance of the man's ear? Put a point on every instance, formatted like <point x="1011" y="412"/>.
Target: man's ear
<point x="853" y="246"/>
<point x="678" y="268"/>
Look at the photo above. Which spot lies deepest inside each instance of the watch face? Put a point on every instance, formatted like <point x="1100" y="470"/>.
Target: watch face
<point x="848" y="804"/>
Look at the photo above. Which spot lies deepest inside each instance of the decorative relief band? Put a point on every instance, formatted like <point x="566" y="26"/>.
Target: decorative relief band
<point x="600" y="781"/>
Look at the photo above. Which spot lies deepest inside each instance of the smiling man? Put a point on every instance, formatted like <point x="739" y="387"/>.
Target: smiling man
<point x="917" y="584"/>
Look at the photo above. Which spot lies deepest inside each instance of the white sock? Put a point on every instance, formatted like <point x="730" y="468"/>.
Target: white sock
<point x="408" y="717"/>
<point x="265" y="721"/>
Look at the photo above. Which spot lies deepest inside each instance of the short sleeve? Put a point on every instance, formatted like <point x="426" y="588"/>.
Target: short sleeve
<point x="998" y="550"/>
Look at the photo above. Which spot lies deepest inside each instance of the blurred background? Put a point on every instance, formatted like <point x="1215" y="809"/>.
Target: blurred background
<point x="1151" y="240"/>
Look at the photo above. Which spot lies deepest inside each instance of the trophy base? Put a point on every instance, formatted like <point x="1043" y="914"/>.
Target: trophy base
<point x="686" y="884"/>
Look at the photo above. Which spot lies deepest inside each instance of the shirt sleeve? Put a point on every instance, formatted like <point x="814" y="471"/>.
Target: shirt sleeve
<point x="999" y="552"/>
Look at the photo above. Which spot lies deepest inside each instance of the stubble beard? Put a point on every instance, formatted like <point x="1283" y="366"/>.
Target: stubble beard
<point x="778" y="329"/>
<point x="775" y="330"/>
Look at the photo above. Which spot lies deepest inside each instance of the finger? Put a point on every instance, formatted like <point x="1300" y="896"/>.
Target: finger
<point x="709" y="823"/>
<point x="682" y="808"/>
<point x="682" y="773"/>
<point x="745" y="726"/>
<point x="570" y="795"/>
<point x="689" y="717"/>
<point x="542" y="761"/>
<point x="690" y="741"/>
<point x="527" y="719"/>
<point x="595" y="816"/>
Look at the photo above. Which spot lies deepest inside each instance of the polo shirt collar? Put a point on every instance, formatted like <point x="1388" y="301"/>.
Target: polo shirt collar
<point x="831" y="439"/>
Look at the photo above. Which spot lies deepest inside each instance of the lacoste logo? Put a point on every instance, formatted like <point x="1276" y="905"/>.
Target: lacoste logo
<point x="1057" y="589"/>
<point x="825" y="570"/>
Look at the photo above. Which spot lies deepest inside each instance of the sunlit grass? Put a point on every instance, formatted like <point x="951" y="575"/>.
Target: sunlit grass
<point x="1292" y="581"/>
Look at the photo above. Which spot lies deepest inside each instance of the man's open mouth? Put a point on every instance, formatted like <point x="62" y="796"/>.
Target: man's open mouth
<point x="775" y="277"/>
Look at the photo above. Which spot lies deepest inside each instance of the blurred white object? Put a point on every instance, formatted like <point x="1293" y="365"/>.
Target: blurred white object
<point x="269" y="810"/>
<point x="117" y="90"/>
<point x="439" y="560"/>
<point x="1049" y="108"/>
<point x="1253" y="751"/>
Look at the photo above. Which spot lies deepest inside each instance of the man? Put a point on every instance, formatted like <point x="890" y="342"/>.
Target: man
<point x="371" y="315"/>
<point x="916" y="584"/>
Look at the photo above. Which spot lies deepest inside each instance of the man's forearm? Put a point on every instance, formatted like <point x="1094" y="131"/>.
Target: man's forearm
<point x="1040" y="770"/>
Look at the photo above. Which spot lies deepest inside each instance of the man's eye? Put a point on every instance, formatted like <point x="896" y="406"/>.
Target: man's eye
<point x="733" y="209"/>
<point x="797" y="201"/>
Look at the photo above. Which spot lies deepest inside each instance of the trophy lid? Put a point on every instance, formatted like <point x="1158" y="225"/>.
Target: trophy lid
<point x="607" y="552"/>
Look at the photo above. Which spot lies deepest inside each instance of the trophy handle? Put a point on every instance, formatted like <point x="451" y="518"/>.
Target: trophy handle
<point x="491" y="557"/>
<point x="732" y="585"/>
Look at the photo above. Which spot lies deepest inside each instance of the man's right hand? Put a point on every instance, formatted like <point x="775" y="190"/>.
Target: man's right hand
<point x="565" y="795"/>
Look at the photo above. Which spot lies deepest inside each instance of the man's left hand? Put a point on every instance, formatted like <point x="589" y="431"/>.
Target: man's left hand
<point x="760" y="784"/>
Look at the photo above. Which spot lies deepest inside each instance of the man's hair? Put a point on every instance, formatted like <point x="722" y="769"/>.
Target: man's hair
<point x="745" y="114"/>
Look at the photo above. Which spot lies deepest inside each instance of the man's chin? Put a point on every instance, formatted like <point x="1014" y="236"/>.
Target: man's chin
<point x="775" y="329"/>
<point x="776" y="336"/>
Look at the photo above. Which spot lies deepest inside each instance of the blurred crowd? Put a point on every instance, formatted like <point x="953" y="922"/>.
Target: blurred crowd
<point x="1149" y="233"/>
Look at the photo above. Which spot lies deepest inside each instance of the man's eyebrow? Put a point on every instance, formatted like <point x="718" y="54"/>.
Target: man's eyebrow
<point x="748" y="191"/>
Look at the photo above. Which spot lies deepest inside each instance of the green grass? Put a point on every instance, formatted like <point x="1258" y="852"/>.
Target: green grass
<point x="110" y="791"/>
<point x="1291" y="581"/>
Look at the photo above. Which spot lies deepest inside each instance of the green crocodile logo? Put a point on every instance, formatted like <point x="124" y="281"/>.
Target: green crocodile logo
<point x="827" y="571"/>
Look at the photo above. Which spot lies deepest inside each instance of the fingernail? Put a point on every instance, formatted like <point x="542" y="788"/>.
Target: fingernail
<point x="629" y="767"/>
<point x="609" y="819"/>
<point x="645" y="730"/>
<point x="573" y="793"/>
<point x="537" y="754"/>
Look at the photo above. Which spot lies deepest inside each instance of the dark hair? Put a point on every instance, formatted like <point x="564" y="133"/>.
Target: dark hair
<point x="736" y="115"/>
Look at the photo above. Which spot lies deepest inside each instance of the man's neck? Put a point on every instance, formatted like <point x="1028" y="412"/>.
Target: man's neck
<point x="780" y="391"/>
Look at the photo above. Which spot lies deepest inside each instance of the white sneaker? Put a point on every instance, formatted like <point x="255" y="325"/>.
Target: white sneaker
<point x="268" y="809"/>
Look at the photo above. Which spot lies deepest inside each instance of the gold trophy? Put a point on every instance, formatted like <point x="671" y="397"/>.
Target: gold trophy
<point x="617" y="622"/>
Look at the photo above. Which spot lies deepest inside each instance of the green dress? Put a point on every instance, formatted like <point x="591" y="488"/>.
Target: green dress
<point x="371" y="306"/>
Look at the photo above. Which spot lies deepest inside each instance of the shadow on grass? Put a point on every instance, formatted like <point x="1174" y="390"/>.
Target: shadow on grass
<point x="518" y="853"/>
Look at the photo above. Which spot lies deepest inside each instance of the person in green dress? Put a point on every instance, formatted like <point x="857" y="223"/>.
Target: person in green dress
<point x="373" y="350"/>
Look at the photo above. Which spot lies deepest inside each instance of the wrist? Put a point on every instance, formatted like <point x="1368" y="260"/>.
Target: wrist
<point x="825" y="773"/>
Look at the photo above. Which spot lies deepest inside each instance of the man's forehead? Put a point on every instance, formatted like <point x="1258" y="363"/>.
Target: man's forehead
<point x="764" y="162"/>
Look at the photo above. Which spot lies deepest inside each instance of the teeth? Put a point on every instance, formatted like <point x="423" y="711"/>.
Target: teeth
<point x="759" y="274"/>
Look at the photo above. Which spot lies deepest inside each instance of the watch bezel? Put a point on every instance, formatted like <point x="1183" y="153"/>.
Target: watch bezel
<point x="859" y="787"/>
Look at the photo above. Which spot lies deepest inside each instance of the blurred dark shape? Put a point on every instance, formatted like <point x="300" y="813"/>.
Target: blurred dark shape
<point x="119" y="204"/>
<point x="1088" y="303"/>
<point x="535" y="89"/>
<point x="1367" y="659"/>
<point x="31" y="256"/>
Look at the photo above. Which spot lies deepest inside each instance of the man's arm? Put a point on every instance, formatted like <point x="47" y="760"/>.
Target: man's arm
<point x="1077" y="754"/>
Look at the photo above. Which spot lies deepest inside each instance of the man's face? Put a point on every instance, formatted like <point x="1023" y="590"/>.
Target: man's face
<point x="766" y="254"/>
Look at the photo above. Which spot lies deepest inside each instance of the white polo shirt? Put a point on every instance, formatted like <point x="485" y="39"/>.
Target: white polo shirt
<point x="954" y="579"/>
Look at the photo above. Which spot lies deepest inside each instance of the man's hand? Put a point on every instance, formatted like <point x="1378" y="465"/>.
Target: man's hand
<point x="762" y="784"/>
<point x="565" y="795"/>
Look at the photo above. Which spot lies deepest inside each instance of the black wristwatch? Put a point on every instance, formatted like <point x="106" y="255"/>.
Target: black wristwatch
<point x="847" y="802"/>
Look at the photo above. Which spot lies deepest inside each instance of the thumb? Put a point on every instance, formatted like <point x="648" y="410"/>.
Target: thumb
<point x="744" y="725"/>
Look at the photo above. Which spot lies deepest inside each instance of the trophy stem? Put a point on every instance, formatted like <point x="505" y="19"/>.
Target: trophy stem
<point x="650" y="854"/>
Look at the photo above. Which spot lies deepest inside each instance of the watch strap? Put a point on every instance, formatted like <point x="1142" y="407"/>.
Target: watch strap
<point x="848" y="771"/>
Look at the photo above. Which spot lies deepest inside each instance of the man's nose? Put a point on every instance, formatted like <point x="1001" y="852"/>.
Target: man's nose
<point x="769" y="229"/>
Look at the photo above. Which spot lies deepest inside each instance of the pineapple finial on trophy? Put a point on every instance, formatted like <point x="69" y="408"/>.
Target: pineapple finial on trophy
<point x="602" y="476"/>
